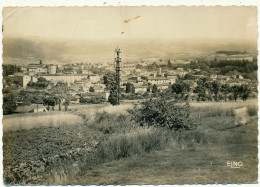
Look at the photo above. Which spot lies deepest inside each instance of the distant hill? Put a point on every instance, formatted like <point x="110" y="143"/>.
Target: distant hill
<point x="232" y="52"/>
<point x="31" y="50"/>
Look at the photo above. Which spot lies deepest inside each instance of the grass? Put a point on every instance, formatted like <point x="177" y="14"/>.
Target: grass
<point x="201" y="154"/>
<point x="222" y="109"/>
<point x="124" y="153"/>
<point x="36" y="120"/>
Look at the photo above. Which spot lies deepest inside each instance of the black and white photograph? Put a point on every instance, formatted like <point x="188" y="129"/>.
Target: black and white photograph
<point x="129" y="95"/>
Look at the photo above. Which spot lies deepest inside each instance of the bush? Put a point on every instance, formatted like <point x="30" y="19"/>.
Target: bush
<point x="165" y="113"/>
<point x="111" y="123"/>
<point x="123" y="145"/>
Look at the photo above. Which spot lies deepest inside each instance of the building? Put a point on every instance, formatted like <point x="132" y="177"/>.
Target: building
<point x="68" y="78"/>
<point x="163" y="86"/>
<point x="100" y="95"/>
<point x="161" y="80"/>
<point x="94" y="78"/>
<point x="52" y="70"/>
<point x="140" y="89"/>
<point x="22" y="79"/>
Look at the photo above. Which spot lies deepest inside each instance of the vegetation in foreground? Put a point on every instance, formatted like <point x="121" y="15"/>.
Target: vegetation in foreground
<point x="81" y="153"/>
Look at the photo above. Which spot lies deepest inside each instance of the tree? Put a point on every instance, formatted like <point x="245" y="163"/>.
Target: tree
<point x="110" y="82"/>
<point x="41" y="79"/>
<point x="112" y="98"/>
<point x="9" y="103"/>
<point x="130" y="88"/>
<point x="50" y="101"/>
<point x="66" y="104"/>
<point x="163" y="112"/>
<point x="235" y="90"/>
<point x="154" y="88"/>
<point x="181" y="89"/>
<point x="9" y="95"/>
<point x="91" y="89"/>
<point x="169" y="64"/>
<point x="214" y="87"/>
<point x="225" y="89"/>
<point x="244" y="92"/>
<point x="9" y="69"/>
<point x="200" y="90"/>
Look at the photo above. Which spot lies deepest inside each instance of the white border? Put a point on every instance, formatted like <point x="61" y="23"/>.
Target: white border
<point x="6" y="3"/>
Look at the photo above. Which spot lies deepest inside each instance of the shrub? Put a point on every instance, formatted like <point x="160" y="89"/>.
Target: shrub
<point x="111" y="123"/>
<point x="252" y="110"/>
<point x="123" y="145"/>
<point x="165" y="113"/>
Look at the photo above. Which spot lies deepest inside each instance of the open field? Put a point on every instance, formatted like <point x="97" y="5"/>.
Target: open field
<point x="100" y="144"/>
<point x="36" y="120"/>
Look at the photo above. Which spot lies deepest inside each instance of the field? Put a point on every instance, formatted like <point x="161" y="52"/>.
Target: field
<point x="101" y="144"/>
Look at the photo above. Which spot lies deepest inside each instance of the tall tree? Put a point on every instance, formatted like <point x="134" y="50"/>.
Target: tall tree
<point x="235" y="90"/>
<point x="244" y="92"/>
<point x="225" y="89"/>
<point x="110" y="82"/>
<point x="130" y="88"/>
<point x="91" y="89"/>
<point x="154" y="88"/>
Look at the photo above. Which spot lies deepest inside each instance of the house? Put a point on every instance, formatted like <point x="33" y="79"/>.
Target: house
<point x="94" y="78"/>
<point x="100" y="95"/>
<point x="98" y="88"/>
<point x="22" y="79"/>
<point x="164" y="86"/>
<point x="161" y="80"/>
<point x="40" y="110"/>
<point x="140" y="89"/>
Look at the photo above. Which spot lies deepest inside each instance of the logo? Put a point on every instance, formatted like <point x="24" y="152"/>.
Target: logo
<point x="234" y="164"/>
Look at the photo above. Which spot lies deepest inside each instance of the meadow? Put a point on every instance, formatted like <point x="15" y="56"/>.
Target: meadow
<point x="104" y="145"/>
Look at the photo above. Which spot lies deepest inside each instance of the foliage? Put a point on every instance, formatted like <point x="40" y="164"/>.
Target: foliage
<point x="231" y="52"/>
<point x="66" y="104"/>
<point x="9" y="103"/>
<point x="235" y="90"/>
<point x="154" y="88"/>
<point x="9" y="95"/>
<point x="152" y="67"/>
<point x="38" y="85"/>
<point x="41" y="79"/>
<point x="130" y="88"/>
<point x="244" y="92"/>
<point x="163" y="112"/>
<point x="224" y="67"/>
<point x="181" y="89"/>
<point x="91" y="89"/>
<point x="9" y="69"/>
<point x="51" y="101"/>
<point x="91" y="101"/>
<point x="201" y="89"/>
<point x="110" y="82"/>
<point x="214" y="87"/>
<point x="169" y="64"/>
<point x="112" y="98"/>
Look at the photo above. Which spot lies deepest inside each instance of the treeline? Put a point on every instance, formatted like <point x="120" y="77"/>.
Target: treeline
<point x="231" y="52"/>
<point x="207" y="90"/>
<point x="9" y="69"/>
<point x="224" y="67"/>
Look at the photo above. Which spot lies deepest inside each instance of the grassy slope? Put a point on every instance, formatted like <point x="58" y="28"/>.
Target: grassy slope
<point x="191" y="161"/>
<point x="198" y="156"/>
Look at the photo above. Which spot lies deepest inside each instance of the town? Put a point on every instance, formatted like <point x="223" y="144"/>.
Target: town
<point x="123" y="95"/>
<point x="228" y="75"/>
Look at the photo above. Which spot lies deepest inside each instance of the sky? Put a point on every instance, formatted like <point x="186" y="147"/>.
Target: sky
<point x="133" y="23"/>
